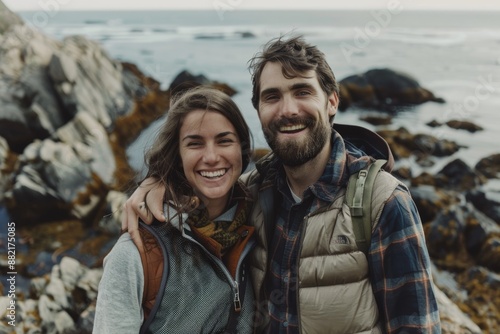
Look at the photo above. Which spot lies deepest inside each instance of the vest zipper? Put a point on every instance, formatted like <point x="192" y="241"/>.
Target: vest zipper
<point x="222" y="267"/>
<point x="236" y="300"/>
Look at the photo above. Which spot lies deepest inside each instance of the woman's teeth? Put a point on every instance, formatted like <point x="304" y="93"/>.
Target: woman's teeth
<point x="213" y="174"/>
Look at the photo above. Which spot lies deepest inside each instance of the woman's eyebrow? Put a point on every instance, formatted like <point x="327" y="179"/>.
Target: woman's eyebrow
<point x="192" y="137"/>
<point x="224" y="134"/>
<point x="220" y="135"/>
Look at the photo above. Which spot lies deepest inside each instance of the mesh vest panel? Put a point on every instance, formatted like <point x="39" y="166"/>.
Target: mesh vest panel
<point x="198" y="297"/>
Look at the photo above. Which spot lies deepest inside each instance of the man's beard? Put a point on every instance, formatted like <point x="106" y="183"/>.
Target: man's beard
<point x="294" y="153"/>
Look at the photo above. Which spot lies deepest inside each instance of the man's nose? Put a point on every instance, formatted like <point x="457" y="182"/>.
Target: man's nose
<point x="289" y="107"/>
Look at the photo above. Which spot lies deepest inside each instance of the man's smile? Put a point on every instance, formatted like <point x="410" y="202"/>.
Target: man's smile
<point x="292" y="128"/>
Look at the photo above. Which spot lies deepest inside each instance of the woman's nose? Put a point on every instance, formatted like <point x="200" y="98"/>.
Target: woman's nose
<point x="210" y="154"/>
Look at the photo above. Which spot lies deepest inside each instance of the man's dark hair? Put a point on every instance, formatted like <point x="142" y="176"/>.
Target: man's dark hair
<point x="296" y="57"/>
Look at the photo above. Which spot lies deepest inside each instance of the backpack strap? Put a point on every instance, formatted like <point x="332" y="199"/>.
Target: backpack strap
<point x="359" y="199"/>
<point x="155" y="267"/>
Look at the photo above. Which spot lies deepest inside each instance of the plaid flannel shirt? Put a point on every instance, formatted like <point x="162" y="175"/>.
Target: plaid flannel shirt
<point x="398" y="259"/>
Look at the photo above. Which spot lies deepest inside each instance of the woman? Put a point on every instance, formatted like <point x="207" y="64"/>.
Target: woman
<point x="198" y="156"/>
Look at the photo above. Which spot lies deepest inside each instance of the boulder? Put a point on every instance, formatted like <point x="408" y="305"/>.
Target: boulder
<point x="489" y="166"/>
<point x="464" y="125"/>
<point x="405" y="144"/>
<point x="431" y="201"/>
<point x="53" y="182"/>
<point x="483" y="304"/>
<point x="186" y="79"/>
<point x="453" y="320"/>
<point x="445" y="238"/>
<point x="5" y="156"/>
<point x="486" y="201"/>
<point x="383" y="89"/>
<point x="459" y="176"/>
<point x="7" y="18"/>
<point x="479" y="229"/>
<point x="377" y="119"/>
<point x="62" y="103"/>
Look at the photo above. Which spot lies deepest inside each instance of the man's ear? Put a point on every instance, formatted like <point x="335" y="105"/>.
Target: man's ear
<point x="333" y="104"/>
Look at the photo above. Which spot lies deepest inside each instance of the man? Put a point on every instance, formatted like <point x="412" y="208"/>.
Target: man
<point x="307" y="271"/>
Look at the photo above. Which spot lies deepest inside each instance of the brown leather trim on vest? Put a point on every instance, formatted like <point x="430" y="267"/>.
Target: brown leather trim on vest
<point x="152" y="264"/>
<point x="210" y="244"/>
<point x="232" y="257"/>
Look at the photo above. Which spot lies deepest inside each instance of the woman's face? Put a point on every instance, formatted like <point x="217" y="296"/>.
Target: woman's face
<point x="211" y="155"/>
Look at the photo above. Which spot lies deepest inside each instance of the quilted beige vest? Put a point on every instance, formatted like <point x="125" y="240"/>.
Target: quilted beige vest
<point x="335" y="294"/>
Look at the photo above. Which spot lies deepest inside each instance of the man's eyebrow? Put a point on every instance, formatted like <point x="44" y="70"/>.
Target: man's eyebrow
<point x="296" y="86"/>
<point x="301" y="85"/>
<point x="269" y="91"/>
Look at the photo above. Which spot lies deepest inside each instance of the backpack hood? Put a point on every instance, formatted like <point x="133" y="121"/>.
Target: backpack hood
<point x="366" y="142"/>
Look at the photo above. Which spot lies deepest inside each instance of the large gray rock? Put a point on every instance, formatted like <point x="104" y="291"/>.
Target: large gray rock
<point x="487" y="201"/>
<point x="90" y="142"/>
<point x="51" y="179"/>
<point x="44" y="84"/>
<point x="85" y="78"/>
<point x="4" y="155"/>
<point x="59" y="103"/>
<point x="453" y="320"/>
<point x="7" y="18"/>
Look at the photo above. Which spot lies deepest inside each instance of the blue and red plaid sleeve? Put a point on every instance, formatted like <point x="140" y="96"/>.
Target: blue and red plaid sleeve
<point x="400" y="269"/>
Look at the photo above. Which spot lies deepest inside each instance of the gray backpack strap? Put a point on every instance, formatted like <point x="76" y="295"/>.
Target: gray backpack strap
<point x="359" y="199"/>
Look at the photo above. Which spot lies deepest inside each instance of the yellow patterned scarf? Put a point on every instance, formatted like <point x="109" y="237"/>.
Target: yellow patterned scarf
<point x="224" y="232"/>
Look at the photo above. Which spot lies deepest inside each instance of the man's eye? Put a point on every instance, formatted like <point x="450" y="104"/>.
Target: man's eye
<point x="271" y="98"/>
<point x="303" y="93"/>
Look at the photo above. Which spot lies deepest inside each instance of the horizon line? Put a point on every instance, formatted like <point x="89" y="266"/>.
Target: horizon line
<point x="265" y="9"/>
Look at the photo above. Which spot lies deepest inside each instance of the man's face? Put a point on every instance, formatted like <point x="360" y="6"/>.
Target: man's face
<point x="294" y="114"/>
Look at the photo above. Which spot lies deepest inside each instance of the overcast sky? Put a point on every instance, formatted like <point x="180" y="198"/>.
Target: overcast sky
<point x="50" y="5"/>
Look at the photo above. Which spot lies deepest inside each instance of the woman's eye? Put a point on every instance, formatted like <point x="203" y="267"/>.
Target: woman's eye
<point x="226" y="141"/>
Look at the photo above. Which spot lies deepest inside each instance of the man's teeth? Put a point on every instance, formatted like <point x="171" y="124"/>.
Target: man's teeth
<point x="289" y="128"/>
<point x="213" y="174"/>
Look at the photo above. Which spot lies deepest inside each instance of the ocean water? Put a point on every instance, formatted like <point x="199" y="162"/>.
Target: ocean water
<point x="454" y="54"/>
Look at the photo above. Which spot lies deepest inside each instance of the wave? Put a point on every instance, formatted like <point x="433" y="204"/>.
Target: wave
<point x="117" y="30"/>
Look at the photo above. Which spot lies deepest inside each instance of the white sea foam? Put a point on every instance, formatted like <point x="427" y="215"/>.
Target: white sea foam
<point x="446" y="53"/>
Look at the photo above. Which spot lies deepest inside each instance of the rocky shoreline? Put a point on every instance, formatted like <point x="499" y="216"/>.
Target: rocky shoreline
<point x="68" y="112"/>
